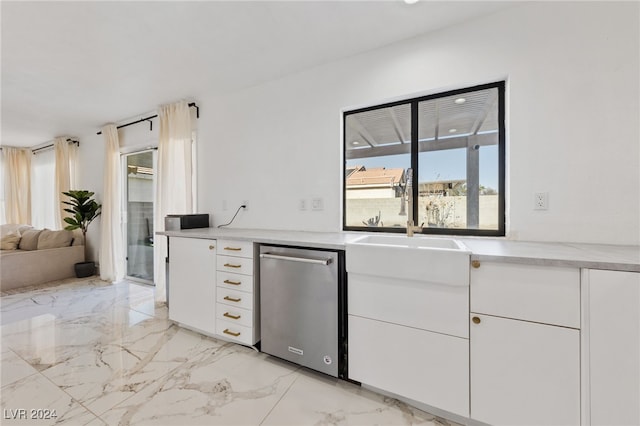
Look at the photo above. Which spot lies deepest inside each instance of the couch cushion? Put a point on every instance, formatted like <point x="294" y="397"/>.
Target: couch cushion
<point x="29" y="240"/>
<point x="10" y="228"/>
<point x="10" y="241"/>
<point x="49" y="239"/>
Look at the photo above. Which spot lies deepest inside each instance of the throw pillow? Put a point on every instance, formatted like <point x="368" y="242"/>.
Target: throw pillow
<point x="10" y="228"/>
<point x="29" y="240"/>
<point x="49" y="239"/>
<point x="10" y="241"/>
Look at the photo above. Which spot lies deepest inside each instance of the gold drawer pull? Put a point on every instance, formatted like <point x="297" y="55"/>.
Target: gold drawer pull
<point x="212" y="247"/>
<point x="228" y="315"/>
<point x="475" y="263"/>
<point x="231" y="333"/>
<point x="233" y="248"/>
<point x="231" y="265"/>
<point x="476" y="320"/>
<point x="231" y="299"/>
<point x="232" y="282"/>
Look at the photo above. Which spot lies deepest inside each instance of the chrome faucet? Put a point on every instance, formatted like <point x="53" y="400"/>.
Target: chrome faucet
<point x="411" y="227"/>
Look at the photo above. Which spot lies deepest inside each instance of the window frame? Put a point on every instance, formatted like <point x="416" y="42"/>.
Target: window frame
<point x="414" y="102"/>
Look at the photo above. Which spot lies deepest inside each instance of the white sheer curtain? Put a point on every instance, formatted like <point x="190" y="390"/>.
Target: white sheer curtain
<point x="43" y="189"/>
<point x="174" y="180"/>
<point x="17" y="184"/>
<point x="65" y="164"/>
<point x="2" y="213"/>
<point x="112" y="263"/>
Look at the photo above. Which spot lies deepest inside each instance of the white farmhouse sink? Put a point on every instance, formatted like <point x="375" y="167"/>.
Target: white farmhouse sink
<point x="436" y="260"/>
<point x="414" y="242"/>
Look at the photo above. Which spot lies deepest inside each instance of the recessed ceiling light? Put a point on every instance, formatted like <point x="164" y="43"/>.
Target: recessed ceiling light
<point x="453" y="130"/>
<point x="355" y="143"/>
<point x="460" y="101"/>
<point x="411" y="1"/>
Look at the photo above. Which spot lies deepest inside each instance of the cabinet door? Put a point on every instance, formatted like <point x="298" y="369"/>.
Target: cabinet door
<point x="614" y="347"/>
<point x="524" y="373"/>
<point x="192" y="283"/>
<point x="427" y="367"/>
<point x="545" y="294"/>
<point x="434" y="307"/>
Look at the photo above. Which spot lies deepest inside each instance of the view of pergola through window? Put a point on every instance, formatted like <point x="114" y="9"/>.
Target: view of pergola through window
<point x="452" y="143"/>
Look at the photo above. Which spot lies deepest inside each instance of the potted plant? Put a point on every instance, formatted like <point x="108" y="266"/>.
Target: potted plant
<point x="84" y="210"/>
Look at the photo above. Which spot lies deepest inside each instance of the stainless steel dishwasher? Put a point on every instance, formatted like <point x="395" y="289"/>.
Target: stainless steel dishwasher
<point x="303" y="307"/>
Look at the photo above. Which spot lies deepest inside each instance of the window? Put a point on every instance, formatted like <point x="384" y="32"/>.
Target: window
<point x="444" y="152"/>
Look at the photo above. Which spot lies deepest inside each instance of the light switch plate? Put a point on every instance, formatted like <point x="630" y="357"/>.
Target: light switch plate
<point x="317" y="204"/>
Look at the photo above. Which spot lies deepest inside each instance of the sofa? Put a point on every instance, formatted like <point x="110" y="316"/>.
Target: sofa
<point x="30" y="256"/>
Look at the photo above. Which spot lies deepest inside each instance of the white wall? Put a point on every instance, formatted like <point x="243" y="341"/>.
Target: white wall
<point x="572" y="71"/>
<point x="572" y="109"/>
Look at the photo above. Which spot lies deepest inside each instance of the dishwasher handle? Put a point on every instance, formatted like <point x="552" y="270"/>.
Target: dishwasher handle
<point x="296" y="259"/>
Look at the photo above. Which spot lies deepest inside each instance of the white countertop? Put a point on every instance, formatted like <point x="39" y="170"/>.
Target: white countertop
<point x="596" y="256"/>
<point x="327" y="240"/>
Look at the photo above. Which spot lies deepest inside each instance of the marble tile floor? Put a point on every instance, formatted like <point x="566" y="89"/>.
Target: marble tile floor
<point x="94" y="353"/>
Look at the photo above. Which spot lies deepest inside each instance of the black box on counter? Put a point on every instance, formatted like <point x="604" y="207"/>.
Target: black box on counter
<point x="176" y="222"/>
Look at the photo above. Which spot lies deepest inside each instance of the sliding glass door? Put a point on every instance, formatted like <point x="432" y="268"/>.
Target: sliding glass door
<point x="139" y="194"/>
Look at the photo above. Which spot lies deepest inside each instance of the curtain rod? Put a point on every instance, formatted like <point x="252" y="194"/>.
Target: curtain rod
<point x="51" y="145"/>
<point x="33" y="151"/>
<point x="192" y="104"/>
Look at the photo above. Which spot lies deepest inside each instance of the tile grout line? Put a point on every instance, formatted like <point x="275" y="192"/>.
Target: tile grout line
<point x="53" y="383"/>
<point x="283" y="395"/>
<point x="2" y="386"/>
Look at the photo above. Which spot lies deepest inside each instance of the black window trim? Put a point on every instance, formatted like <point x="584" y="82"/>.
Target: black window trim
<point x="501" y="231"/>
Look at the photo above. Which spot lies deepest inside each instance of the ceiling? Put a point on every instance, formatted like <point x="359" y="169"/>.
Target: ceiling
<point x="443" y="123"/>
<point x="70" y="67"/>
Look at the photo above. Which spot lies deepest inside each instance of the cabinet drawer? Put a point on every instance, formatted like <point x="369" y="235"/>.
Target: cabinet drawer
<point x="431" y="368"/>
<point x="235" y="281"/>
<point x="235" y="332"/>
<point x="236" y="248"/>
<point x="236" y="265"/>
<point x="234" y="315"/>
<point x="428" y="306"/>
<point x="238" y="299"/>
<point x="544" y="294"/>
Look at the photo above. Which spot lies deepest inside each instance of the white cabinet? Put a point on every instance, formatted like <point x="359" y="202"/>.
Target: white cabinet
<point x="545" y="294"/>
<point x="410" y="338"/>
<point x="612" y="344"/>
<point x="525" y="345"/>
<point x="434" y="307"/>
<point x="524" y="373"/>
<point x="428" y="367"/>
<point x="192" y="281"/>
<point x="237" y="308"/>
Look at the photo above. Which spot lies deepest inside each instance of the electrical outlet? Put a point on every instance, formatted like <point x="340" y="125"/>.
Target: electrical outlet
<point x="302" y="204"/>
<point x="541" y="201"/>
<point x="245" y="203"/>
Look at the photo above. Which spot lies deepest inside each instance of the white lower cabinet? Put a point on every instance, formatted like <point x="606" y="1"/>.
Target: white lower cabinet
<point x="427" y="367"/>
<point x="524" y="373"/>
<point x="237" y="295"/>
<point x="410" y="338"/>
<point x="613" y="346"/>
<point x="223" y="307"/>
<point x="192" y="283"/>
<point x="525" y="344"/>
